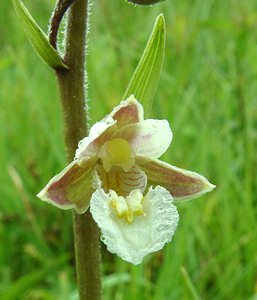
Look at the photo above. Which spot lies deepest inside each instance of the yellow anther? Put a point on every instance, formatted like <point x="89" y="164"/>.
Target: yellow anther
<point x="117" y="152"/>
<point x="134" y="202"/>
<point x="129" y="216"/>
<point x="119" y="205"/>
<point x="127" y="208"/>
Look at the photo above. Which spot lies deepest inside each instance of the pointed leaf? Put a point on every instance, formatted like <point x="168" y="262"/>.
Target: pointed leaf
<point x="37" y="37"/>
<point x="145" y="79"/>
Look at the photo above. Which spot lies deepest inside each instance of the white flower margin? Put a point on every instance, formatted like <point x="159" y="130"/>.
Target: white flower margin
<point x="146" y="234"/>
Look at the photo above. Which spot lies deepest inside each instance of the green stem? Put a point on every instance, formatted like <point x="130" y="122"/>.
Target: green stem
<point x="72" y="91"/>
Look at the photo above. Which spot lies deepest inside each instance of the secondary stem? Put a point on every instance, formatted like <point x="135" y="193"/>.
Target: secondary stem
<point x="59" y="11"/>
<point x="72" y="91"/>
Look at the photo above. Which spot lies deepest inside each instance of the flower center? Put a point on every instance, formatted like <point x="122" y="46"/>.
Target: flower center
<point x="127" y="208"/>
<point x="117" y="152"/>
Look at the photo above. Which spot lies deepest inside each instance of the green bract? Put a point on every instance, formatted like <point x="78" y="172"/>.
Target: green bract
<point x="37" y="37"/>
<point x="145" y="79"/>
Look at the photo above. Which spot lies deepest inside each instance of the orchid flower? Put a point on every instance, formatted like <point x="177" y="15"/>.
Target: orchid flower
<point x="131" y="194"/>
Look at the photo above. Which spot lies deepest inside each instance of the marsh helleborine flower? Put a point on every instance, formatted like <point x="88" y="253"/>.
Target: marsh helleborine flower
<point x="131" y="194"/>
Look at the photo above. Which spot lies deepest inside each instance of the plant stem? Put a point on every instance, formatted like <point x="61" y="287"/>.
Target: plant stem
<point x="59" y="11"/>
<point x="72" y="91"/>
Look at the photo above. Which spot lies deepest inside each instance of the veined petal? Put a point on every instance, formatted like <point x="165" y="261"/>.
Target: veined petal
<point x="99" y="133"/>
<point x="72" y="188"/>
<point x="182" y="184"/>
<point x="134" y="179"/>
<point x="120" y="181"/>
<point x="149" y="138"/>
<point x="128" y="112"/>
<point x="147" y="233"/>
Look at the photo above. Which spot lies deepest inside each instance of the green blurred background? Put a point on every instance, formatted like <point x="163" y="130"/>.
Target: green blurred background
<point x="208" y="92"/>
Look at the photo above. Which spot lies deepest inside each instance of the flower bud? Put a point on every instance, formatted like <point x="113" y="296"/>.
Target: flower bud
<point x="145" y="2"/>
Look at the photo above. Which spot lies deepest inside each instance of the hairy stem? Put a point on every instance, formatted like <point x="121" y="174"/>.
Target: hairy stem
<point x="72" y="91"/>
<point x="59" y="11"/>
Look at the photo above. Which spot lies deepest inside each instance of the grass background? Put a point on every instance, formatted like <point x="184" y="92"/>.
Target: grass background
<point x="207" y="91"/>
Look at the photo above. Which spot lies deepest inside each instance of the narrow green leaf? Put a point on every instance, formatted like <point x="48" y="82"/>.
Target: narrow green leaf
<point x="17" y="289"/>
<point x="37" y="37"/>
<point x="145" y="79"/>
<point x="189" y="284"/>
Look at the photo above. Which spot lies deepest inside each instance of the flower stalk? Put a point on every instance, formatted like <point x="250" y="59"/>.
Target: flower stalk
<point x="59" y="11"/>
<point x="72" y="92"/>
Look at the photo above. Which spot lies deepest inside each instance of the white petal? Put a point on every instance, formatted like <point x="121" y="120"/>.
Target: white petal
<point x="90" y="145"/>
<point x="150" y="138"/>
<point x="146" y="234"/>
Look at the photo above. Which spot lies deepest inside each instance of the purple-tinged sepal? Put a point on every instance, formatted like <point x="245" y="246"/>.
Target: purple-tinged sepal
<point x="71" y="188"/>
<point x="182" y="184"/>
